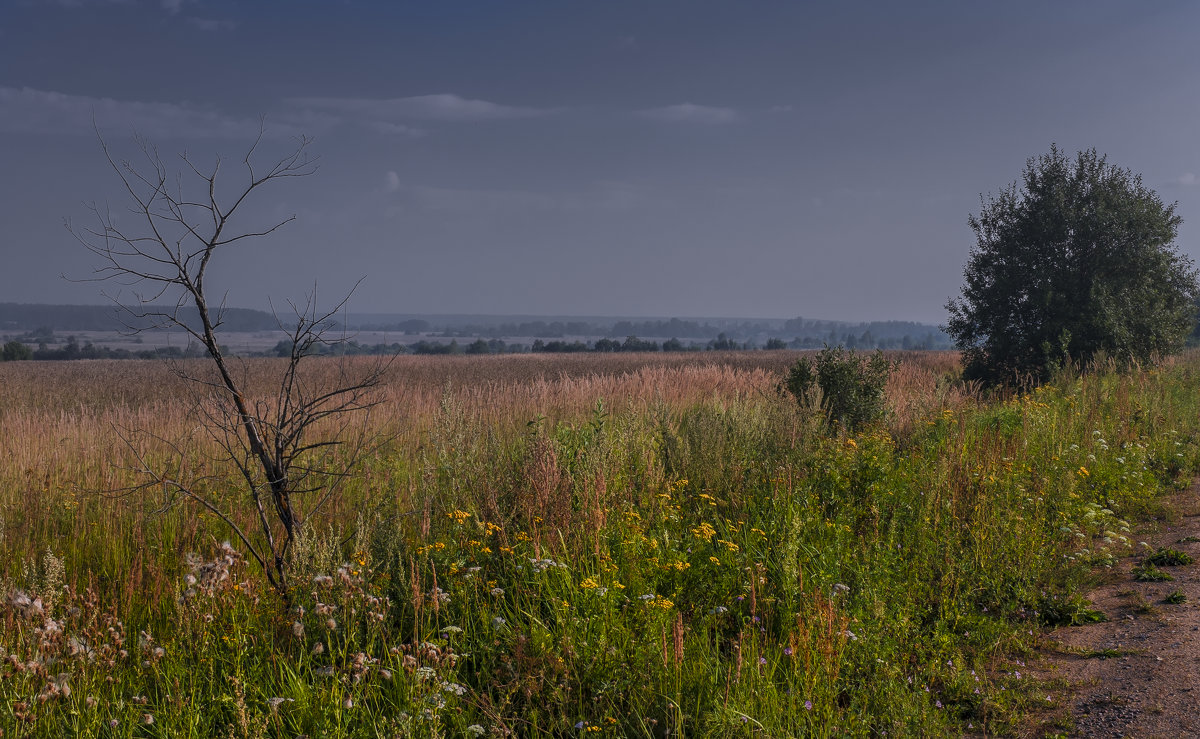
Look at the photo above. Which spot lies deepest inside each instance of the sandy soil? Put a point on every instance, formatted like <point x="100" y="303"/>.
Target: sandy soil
<point x="1138" y="673"/>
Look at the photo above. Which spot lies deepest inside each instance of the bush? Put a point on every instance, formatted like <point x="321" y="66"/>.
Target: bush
<point x="851" y="385"/>
<point x="14" y="351"/>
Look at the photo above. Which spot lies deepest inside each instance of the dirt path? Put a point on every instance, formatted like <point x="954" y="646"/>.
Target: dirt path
<point x="1138" y="673"/>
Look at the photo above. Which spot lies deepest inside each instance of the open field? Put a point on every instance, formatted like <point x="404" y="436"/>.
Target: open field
<point x="628" y="545"/>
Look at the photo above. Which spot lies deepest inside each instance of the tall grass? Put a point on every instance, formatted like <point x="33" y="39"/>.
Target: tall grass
<point x="553" y="546"/>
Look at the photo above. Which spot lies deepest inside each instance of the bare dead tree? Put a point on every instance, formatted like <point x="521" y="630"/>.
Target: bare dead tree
<point x="182" y="220"/>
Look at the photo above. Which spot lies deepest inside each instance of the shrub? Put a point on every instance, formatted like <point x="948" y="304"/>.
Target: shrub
<point x="851" y="385"/>
<point x="1149" y="573"/>
<point x="1169" y="558"/>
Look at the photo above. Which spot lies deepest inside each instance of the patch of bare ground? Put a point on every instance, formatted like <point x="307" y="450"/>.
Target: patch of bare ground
<point x="1138" y="673"/>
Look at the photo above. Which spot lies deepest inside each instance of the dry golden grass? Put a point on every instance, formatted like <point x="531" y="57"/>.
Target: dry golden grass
<point x="66" y="427"/>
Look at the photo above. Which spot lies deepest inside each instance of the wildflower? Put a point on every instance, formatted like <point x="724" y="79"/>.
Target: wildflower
<point x="348" y="703"/>
<point x="647" y="596"/>
<point x="762" y="660"/>
<point x="498" y="621"/>
<point x="318" y="648"/>
<point x="298" y="630"/>
<point x="787" y="651"/>
<point x="839" y="588"/>
<point x="1083" y="472"/>
<point x="717" y="611"/>
<point x="476" y="730"/>
<point x="147" y="719"/>
<point x="497" y="592"/>
<point x="937" y="705"/>
<point x="808" y="705"/>
<point x="589" y="584"/>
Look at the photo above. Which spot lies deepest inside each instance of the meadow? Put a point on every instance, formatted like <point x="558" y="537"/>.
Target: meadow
<point x="545" y="545"/>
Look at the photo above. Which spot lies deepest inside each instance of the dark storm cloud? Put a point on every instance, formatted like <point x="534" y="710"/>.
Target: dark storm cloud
<point x="667" y="158"/>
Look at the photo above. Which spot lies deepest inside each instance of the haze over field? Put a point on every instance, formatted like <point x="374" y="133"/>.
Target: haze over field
<point x="621" y="158"/>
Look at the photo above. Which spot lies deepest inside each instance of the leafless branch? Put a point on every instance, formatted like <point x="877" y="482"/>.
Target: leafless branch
<point x="280" y="445"/>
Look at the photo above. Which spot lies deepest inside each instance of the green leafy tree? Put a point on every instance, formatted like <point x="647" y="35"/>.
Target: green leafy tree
<point x="1075" y="260"/>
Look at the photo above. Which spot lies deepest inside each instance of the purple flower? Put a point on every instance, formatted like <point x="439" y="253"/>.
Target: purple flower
<point x="579" y="725"/>
<point x="808" y="705"/>
<point x="787" y="651"/>
<point x="762" y="660"/>
<point x="937" y="704"/>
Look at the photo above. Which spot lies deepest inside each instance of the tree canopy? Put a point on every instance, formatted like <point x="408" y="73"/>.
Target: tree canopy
<point x="1075" y="260"/>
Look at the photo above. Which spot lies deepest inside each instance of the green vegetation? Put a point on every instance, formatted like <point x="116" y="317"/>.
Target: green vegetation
<point x="1169" y="558"/>
<point x="1175" y="597"/>
<point x="14" y="351"/>
<point x="698" y="559"/>
<point x="1077" y="262"/>
<point x="1147" y="572"/>
<point x="847" y="387"/>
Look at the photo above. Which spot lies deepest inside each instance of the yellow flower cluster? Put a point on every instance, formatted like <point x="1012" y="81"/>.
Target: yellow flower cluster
<point x="704" y="531"/>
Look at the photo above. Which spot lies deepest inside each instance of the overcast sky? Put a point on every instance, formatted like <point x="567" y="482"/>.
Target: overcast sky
<point x="657" y="157"/>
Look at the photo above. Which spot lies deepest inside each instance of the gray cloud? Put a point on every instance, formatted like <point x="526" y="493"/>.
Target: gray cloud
<point x="597" y="197"/>
<point x="691" y="113"/>
<point x="25" y="110"/>
<point x="209" y="24"/>
<point x="394" y="129"/>
<point x="81" y="3"/>
<point x="1187" y="179"/>
<point x="443" y="107"/>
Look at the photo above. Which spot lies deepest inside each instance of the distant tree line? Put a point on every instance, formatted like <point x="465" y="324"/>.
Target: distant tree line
<point x="17" y="350"/>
